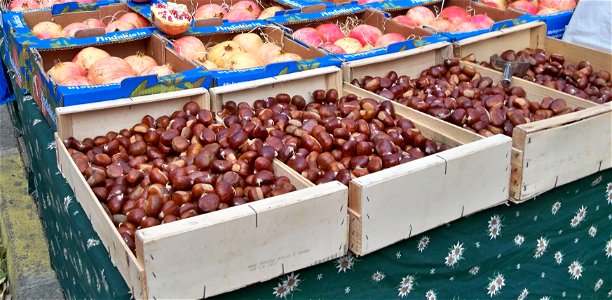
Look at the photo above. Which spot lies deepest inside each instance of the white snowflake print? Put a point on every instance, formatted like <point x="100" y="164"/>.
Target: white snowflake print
<point x="36" y="121"/>
<point x="519" y="239"/>
<point x="281" y="291"/>
<point x="408" y="282"/>
<point x="558" y="257"/>
<point x="596" y="181"/>
<point x="598" y="284"/>
<point x="609" y="188"/>
<point x="563" y="294"/>
<point x="523" y="294"/>
<point x="403" y="291"/>
<point x="576" y="240"/>
<point x="518" y="266"/>
<point x="378" y="276"/>
<point x="555" y="208"/>
<point x="319" y="276"/>
<point x="454" y="255"/>
<point x="474" y="270"/>
<point x="580" y="214"/>
<point x="345" y="263"/>
<point x="543" y="275"/>
<point x="517" y="214"/>
<point x="541" y="247"/>
<point x="477" y="244"/>
<point x="597" y="208"/>
<point x="560" y="232"/>
<point x="347" y="289"/>
<point x="545" y="298"/>
<point x="423" y="242"/>
<point x="595" y="263"/>
<point x="592" y="231"/>
<point x="398" y="255"/>
<point x="608" y="248"/>
<point x="92" y="243"/>
<point x="575" y="269"/>
<point x="535" y="219"/>
<point x="494" y="226"/>
<point x="51" y="146"/>
<point x="432" y="271"/>
<point x="495" y="285"/>
<point x="292" y="281"/>
<point x="431" y="295"/>
<point x="67" y="201"/>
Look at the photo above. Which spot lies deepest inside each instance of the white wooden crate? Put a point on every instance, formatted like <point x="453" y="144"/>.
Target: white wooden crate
<point x="216" y="252"/>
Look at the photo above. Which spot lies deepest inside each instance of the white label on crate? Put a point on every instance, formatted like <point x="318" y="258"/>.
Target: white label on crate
<point x="120" y="37"/>
<point x="340" y="11"/>
<point x="233" y="27"/>
<point x="17" y="21"/>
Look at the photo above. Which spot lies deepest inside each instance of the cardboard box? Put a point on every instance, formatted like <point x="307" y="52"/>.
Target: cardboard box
<point x="49" y="95"/>
<point x="213" y="253"/>
<point x="4" y="5"/>
<point x="418" y="36"/>
<point x="312" y="57"/>
<point x="502" y="18"/>
<point x="19" y="37"/>
<point x="545" y="153"/>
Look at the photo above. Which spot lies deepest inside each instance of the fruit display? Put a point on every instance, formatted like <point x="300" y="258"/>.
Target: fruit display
<point x="534" y="7"/>
<point x="450" y="19"/>
<point x="175" y="167"/>
<point x="347" y="38"/>
<point x="127" y="21"/>
<point x="243" y="51"/>
<point x="460" y="95"/>
<point x="171" y="18"/>
<point x="243" y="10"/>
<point x="333" y="137"/>
<point x="93" y="66"/>
<point x="550" y="70"/>
<point x="18" y="5"/>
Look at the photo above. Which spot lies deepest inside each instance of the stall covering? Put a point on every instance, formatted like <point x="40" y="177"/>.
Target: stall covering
<point x="591" y="25"/>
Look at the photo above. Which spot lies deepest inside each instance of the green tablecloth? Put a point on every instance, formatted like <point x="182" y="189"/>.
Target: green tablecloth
<point x="556" y="246"/>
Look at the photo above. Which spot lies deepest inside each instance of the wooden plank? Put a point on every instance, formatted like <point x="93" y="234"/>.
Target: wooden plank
<point x="253" y="242"/>
<point x="567" y="118"/>
<point x="281" y="169"/>
<point x="575" y="53"/>
<point x="559" y="155"/>
<point x="409" y="197"/>
<point x="354" y="231"/>
<point x="518" y="37"/>
<point x="121" y="256"/>
<point x="516" y="174"/>
<point x="534" y="91"/>
<point x="300" y="83"/>
<point x="420" y="58"/>
<point x="88" y="120"/>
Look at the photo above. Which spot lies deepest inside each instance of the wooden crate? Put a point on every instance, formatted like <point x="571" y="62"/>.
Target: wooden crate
<point x="396" y="203"/>
<point x="532" y="35"/>
<point x="216" y="252"/>
<point x="546" y="153"/>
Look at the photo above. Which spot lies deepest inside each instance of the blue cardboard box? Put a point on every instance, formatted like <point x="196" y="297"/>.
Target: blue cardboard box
<point x="555" y="23"/>
<point x="19" y="36"/>
<point x="416" y="37"/>
<point x="312" y="57"/>
<point x="49" y="95"/>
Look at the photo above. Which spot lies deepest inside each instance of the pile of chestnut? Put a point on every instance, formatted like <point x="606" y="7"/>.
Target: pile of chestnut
<point x="176" y="167"/>
<point x="550" y="70"/>
<point x="460" y="95"/>
<point x="332" y="137"/>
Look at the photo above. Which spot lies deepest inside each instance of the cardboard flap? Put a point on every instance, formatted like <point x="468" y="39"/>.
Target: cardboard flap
<point x="314" y="8"/>
<point x="208" y="22"/>
<point x="89" y="32"/>
<point x="59" y="8"/>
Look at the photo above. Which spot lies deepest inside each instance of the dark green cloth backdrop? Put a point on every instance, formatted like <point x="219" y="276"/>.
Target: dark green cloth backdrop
<point x="554" y="247"/>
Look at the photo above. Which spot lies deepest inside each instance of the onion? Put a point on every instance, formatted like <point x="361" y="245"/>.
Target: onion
<point x="119" y="25"/>
<point x="406" y="20"/>
<point x="88" y="56"/>
<point x="249" y="6"/>
<point x="333" y="48"/>
<point x="524" y="5"/>
<point x="63" y="70"/>
<point x="482" y="21"/>
<point x="365" y="34"/>
<point x="330" y="32"/>
<point x="242" y="60"/>
<point x="162" y="70"/>
<point x="109" y="68"/>
<point x="350" y="45"/>
<point x="269" y="12"/>
<point x="135" y="19"/>
<point x="190" y="47"/>
<point x="388" y="39"/>
<point x="221" y="53"/>
<point x="420" y="15"/>
<point x="140" y="62"/>
<point x="94" y="23"/>
<point x="249" y="42"/>
<point x="558" y="4"/>
<point x="455" y="15"/>
<point x="309" y="35"/>
<point x="209" y="11"/>
<point x="284" y="57"/>
<point x="71" y="29"/>
<point x="268" y="52"/>
<point x="47" y="30"/>
<point x="75" y="81"/>
<point x="238" y="14"/>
